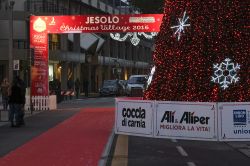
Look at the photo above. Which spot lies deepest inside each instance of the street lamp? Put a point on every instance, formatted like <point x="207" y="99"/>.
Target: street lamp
<point x="11" y="5"/>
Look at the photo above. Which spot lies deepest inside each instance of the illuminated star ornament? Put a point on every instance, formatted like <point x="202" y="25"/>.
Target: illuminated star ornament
<point x="182" y="24"/>
<point x="225" y="73"/>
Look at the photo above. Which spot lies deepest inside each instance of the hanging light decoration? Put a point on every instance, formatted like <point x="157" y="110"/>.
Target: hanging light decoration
<point x="135" y="40"/>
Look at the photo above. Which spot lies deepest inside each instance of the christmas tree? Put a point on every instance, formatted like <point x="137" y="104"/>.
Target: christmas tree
<point x="202" y="52"/>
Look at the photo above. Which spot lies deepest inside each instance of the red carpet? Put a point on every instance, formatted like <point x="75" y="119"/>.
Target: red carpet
<point x="78" y="141"/>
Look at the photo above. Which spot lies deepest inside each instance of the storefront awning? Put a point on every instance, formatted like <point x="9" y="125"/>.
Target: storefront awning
<point x="90" y="42"/>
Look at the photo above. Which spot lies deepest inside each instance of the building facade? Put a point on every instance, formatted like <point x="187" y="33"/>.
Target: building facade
<point x="89" y="56"/>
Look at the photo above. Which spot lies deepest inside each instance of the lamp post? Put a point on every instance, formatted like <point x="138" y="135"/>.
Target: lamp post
<point x="11" y="5"/>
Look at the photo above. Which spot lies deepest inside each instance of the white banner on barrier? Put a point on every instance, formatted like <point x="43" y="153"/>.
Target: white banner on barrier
<point x="234" y="121"/>
<point x="186" y="120"/>
<point x="134" y="117"/>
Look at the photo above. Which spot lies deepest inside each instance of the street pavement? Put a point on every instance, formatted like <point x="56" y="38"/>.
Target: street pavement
<point x="140" y="151"/>
<point x="128" y="150"/>
<point x="41" y="121"/>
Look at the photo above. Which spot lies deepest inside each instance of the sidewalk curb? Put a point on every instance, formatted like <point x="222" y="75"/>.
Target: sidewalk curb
<point x="107" y="149"/>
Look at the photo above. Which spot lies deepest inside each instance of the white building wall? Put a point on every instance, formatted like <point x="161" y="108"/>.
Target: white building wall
<point x="94" y="3"/>
<point x="102" y="6"/>
<point x="110" y="9"/>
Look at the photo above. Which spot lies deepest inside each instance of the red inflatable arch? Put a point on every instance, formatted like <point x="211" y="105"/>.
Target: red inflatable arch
<point x="41" y="26"/>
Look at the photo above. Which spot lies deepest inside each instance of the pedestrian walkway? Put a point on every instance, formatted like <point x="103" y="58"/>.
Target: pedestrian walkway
<point x="79" y="140"/>
<point x="5" y="114"/>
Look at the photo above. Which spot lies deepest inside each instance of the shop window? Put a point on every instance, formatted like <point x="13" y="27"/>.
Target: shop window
<point x="54" y="42"/>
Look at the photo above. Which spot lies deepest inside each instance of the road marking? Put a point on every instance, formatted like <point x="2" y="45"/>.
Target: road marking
<point x="120" y="157"/>
<point x="245" y="152"/>
<point x="174" y="140"/>
<point x="182" y="151"/>
<point x="191" y="164"/>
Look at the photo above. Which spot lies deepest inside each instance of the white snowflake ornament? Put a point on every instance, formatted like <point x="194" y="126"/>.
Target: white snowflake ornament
<point x="181" y="26"/>
<point x="225" y="73"/>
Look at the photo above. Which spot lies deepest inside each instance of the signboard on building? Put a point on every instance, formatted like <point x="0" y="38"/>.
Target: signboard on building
<point x="186" y="120"/>
<point x="234" y="121"/>
<point x="134" y="118"/>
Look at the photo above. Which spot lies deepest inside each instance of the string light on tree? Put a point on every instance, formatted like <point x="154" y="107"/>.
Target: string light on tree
<point x="185" y="67"/>
<point x="225" y="73"/>
<point x="135" y="40"/>
<point x="181" y="26"/>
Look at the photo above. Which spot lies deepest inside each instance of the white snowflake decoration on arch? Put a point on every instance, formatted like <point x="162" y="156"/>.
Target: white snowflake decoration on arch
<point x="225" y="73"/>
<point x="181" y="26"/>
<point x="135" y="40"/>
